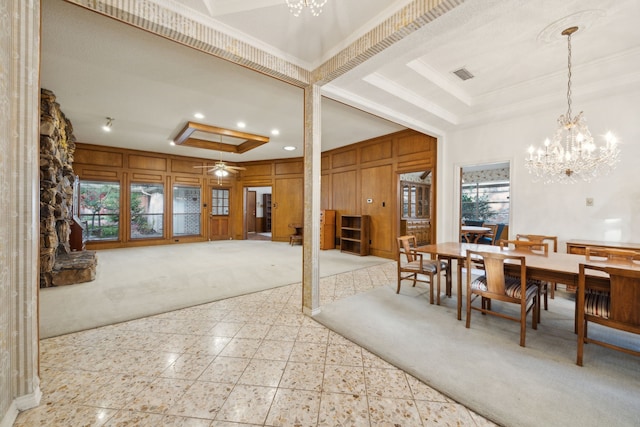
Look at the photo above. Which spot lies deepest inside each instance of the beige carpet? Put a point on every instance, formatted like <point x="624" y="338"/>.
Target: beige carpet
<point x="136" y="282"/>
<point x="485" y="369"/>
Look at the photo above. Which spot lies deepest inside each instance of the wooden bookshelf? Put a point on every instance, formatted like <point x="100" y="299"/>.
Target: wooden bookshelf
<point x="354" y="234"/>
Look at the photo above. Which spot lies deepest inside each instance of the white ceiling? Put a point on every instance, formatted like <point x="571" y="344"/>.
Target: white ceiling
<point x="99" y="67"/>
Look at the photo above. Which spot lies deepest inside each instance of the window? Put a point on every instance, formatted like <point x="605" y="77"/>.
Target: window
<point x="486" y="201"/>
<point x="186" y="211"/>
<point x="415" y="200"/>
<point x="219" y="202"/>
<point x="99" y="209"/>
<point x="147" y="211"/>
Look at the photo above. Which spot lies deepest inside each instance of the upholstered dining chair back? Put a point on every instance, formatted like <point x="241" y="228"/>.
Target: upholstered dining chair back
<point x="617" y="308"/>
<point x="496" y="285"/>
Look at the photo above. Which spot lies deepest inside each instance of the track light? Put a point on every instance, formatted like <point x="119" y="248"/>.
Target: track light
<point x="107" y="126"/>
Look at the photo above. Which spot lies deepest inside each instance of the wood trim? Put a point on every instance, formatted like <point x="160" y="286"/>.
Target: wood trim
<point x="184" y="138"/>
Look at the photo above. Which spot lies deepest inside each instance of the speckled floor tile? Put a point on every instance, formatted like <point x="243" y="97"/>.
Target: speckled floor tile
<point x="444" y="414"/>
<point x="226" y="329"/>
<point x="313" y="334"/>
<point x="344" y="379"/>
<point x="247" y="404"/>
<point x="344" y="354"/>
<point x="160" y="395"/>
<point x="188" y="366"/>
<point x="225" y="369"/>
<point x="126" y="418"/>
<point x="64" y="415"/>
<point x="263" y="372"/>
<point x="421" y="391"/>
<point x="203" y="399"/>
<point x="303" y="376"/>
<point x="117" y="392"/>
<point x="283" y="333"/>
<point x="174" y="421"/>
<point x="393" y="412"/>
<point x="210" y="345"/>
<point x="387" y="383"/>
<point x="294" y="408"/>
<point x="252" y="360"/>
<point x="308" y="352"/>
<point x="337" y="409"/>
<point x="241" y="347"/>
<point x="274" y="350"/>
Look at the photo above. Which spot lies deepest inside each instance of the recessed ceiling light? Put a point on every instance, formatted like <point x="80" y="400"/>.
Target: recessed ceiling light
<point x="242" y="125"/>
<point x="275" y="132"/>
<point x="172" y="143"/>
<point x="289" y="148"/>
<point x="198" y="116"/>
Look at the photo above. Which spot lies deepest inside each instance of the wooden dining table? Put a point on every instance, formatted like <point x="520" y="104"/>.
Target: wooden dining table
<point x="472" y="233"/>
<point x="553" y="267"/>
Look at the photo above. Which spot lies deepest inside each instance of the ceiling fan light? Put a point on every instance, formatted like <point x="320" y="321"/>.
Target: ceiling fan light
<point x="221" y="173"/>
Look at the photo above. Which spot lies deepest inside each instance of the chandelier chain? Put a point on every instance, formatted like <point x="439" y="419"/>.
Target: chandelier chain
<point x="569" y="80"/>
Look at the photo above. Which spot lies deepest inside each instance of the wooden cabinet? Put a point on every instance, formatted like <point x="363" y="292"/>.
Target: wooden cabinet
<point x="266" y="212"/>
<point x="421" y="228"/>
<point x="354" y="234"/>
<point x="578" y="246"/>
<point x="327" y="229"/>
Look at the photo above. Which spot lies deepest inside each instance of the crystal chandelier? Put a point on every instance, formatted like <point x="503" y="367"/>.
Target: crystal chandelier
<point x="572" y="154"/>
<point x="296" y="6"/>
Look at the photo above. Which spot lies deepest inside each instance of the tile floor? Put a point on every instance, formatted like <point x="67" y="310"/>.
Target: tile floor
<point x="253" y="360"/>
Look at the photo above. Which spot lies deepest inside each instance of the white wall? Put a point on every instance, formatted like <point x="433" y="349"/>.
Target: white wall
<point x="552" y="209"/>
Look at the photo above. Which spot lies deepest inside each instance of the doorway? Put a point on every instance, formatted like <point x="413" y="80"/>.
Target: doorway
<point x="257" y="213"/>
<point x="485" y="194"/>
<point x="416" y="205"/>
<point x="219" y="214"/>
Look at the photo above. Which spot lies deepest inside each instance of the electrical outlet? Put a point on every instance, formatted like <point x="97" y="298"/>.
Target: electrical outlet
<point x="589" y="201"/>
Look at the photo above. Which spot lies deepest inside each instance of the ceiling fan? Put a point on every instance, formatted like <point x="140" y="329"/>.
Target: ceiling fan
<point x="221" y="169"/>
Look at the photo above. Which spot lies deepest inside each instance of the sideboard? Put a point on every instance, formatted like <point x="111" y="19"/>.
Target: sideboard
<point x="578" y="246"/>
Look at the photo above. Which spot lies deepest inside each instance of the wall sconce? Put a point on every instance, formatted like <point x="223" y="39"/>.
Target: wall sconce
<point x="107" y="126"/>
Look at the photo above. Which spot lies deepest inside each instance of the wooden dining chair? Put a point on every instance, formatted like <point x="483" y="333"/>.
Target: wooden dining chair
<point x="412" y="265"/>
<point x="617" y="308"/>
<point x="297" y="235"/>
<point x="536" y="248"/>
<point x="550" y="287"/>
<point x="490" y="237"/>
<point x="496" y="285"/>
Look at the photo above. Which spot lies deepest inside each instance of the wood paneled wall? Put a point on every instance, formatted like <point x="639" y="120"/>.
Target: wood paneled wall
<point x="370" y="170"/>
<point x="350" y="176"/>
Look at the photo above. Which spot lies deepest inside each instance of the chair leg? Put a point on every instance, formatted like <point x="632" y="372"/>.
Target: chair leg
<point x="523" y="323"/>
<point x="430" y="289"/>
<point x="438" y="287"/>
<point x="468" y="308"/>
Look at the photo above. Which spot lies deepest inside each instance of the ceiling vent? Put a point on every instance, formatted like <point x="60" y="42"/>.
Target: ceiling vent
<point x="463" y="73"/>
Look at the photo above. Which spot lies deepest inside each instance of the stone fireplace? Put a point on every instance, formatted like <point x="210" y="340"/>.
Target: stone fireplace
<point x="59" y="265"/>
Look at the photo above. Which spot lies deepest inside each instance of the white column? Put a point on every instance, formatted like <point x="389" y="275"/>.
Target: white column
<point x="19" y="206"/>
<point x="312" y="156"/>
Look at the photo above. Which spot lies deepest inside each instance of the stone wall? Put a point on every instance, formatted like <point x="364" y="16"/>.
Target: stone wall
<point x="57" y="145"/>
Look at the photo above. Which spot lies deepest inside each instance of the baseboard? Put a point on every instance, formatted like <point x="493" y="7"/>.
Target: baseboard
<point x="30" y="400"/>
<point x="11" y="415"/>
<point x="21" y="403"/>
